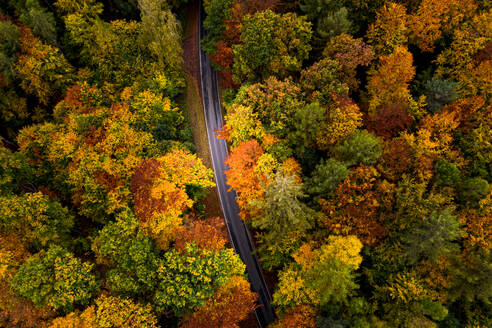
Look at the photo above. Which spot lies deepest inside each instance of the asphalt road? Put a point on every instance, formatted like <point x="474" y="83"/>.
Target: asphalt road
<point x="238" y="232"/>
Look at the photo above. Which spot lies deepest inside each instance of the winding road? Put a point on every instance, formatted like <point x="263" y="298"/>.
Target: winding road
<point x="239" y="234"/>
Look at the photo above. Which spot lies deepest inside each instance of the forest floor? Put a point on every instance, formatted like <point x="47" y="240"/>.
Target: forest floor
<point x="194" y="106"/>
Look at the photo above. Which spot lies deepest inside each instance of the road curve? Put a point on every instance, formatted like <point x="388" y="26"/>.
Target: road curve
<point x="238" y="233"/>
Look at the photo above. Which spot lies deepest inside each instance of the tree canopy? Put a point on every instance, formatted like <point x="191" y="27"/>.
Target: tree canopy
<point x="359" y="155"/>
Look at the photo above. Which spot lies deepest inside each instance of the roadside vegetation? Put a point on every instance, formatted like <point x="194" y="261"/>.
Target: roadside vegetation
<point x="361" y="153"/>
<point x="102" y="219"/>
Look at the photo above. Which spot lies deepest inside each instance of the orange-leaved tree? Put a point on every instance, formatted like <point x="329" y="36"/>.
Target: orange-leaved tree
<point x="433" y="18"/>
<point x="467" y="60"/>
<point x="355" y="208"/>
<point x="241" y="175"/>
<point x="302" y="316"/>
<point x="207" y="234"/>
<point x="389" y="83"/>
<point x="230" y="304"/>
<point x="159" y="189"/>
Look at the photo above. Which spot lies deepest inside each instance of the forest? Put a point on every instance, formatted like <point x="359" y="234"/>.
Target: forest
<point x="360" y="150"/>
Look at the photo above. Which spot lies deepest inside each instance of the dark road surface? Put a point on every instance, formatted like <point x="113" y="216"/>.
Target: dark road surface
<point x="238" y="232"/>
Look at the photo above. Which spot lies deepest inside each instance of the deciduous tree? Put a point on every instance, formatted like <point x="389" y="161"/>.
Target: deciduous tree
<point x="207" y="234"/>
<point x="119" y="312"/>
<point x="433" y="141"/>
<point x="242" y="124"/>
<point x="350" y="53"/>
<point x="354" y="211"/>
<point x="388" y="84"/>
<point x="322" y="81"/>
<point x="433" y="18"/>
<point x="467" y="59"/>
<point x="187" y="280"/>
<point x="332" y="279"/>
<point x="109" y="48"/>
<point x="230" y="304"/>
<point x="342" y="118"/>
<point x="159" y="187"/>
<point x="130" y="255"/>
<point x="56" y="278"/>
<point x="98" y="189"/>
<point x="109" y="311"/>
<point x="35" y="219"/>
<point x="45" y="71"/>
<point x="151" y="110"/>
<point x="395" y="160"/>
<point x="274" y="101"/>
<point x="390" y="29"/>
<point x="302" y="316"/>
<point x="389" y="120"/>
<point x="320" y="276"/>
<point x="241" y="175"/>
<point x="271" y="44"/>
<point x="161" y="33"/>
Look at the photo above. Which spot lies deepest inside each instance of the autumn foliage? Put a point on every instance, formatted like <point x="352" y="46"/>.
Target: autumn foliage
<point x="241" y="174"/>
<point x="302" y="316"/>
<point x="389" y="120"/>
<point x="389" y="84"/>
<point x="208" y="234"/>
<point x="159" y="186"/>
<point x="226" y="308"/>
<point x="359" y="156"/>
<point x="357" y="208"/>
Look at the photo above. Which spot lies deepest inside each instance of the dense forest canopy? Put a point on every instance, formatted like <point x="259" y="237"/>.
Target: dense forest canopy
<point x="360" y="149"/>
<point x="101" y="214"/>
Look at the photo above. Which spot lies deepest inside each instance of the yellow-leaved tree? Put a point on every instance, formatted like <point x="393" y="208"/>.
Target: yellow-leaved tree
<point x="160" y="193"/>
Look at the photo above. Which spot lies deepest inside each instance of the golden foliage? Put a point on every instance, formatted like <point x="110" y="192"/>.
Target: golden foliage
<point x="390" y="82"/>
<point x="43" y="67"/>
<point x="242" y="124"/>
<point x="468" y="59"/>
<point x="302" y="316"/>
<point x="343" y="117"/>
<point x="231" y="303"/>
<point x="345" y="249"/>
<point x="159" y="189"/>
<point x="109" y="312"/>
<point x="433" y="18"/>
<point x="390" y="29"/>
